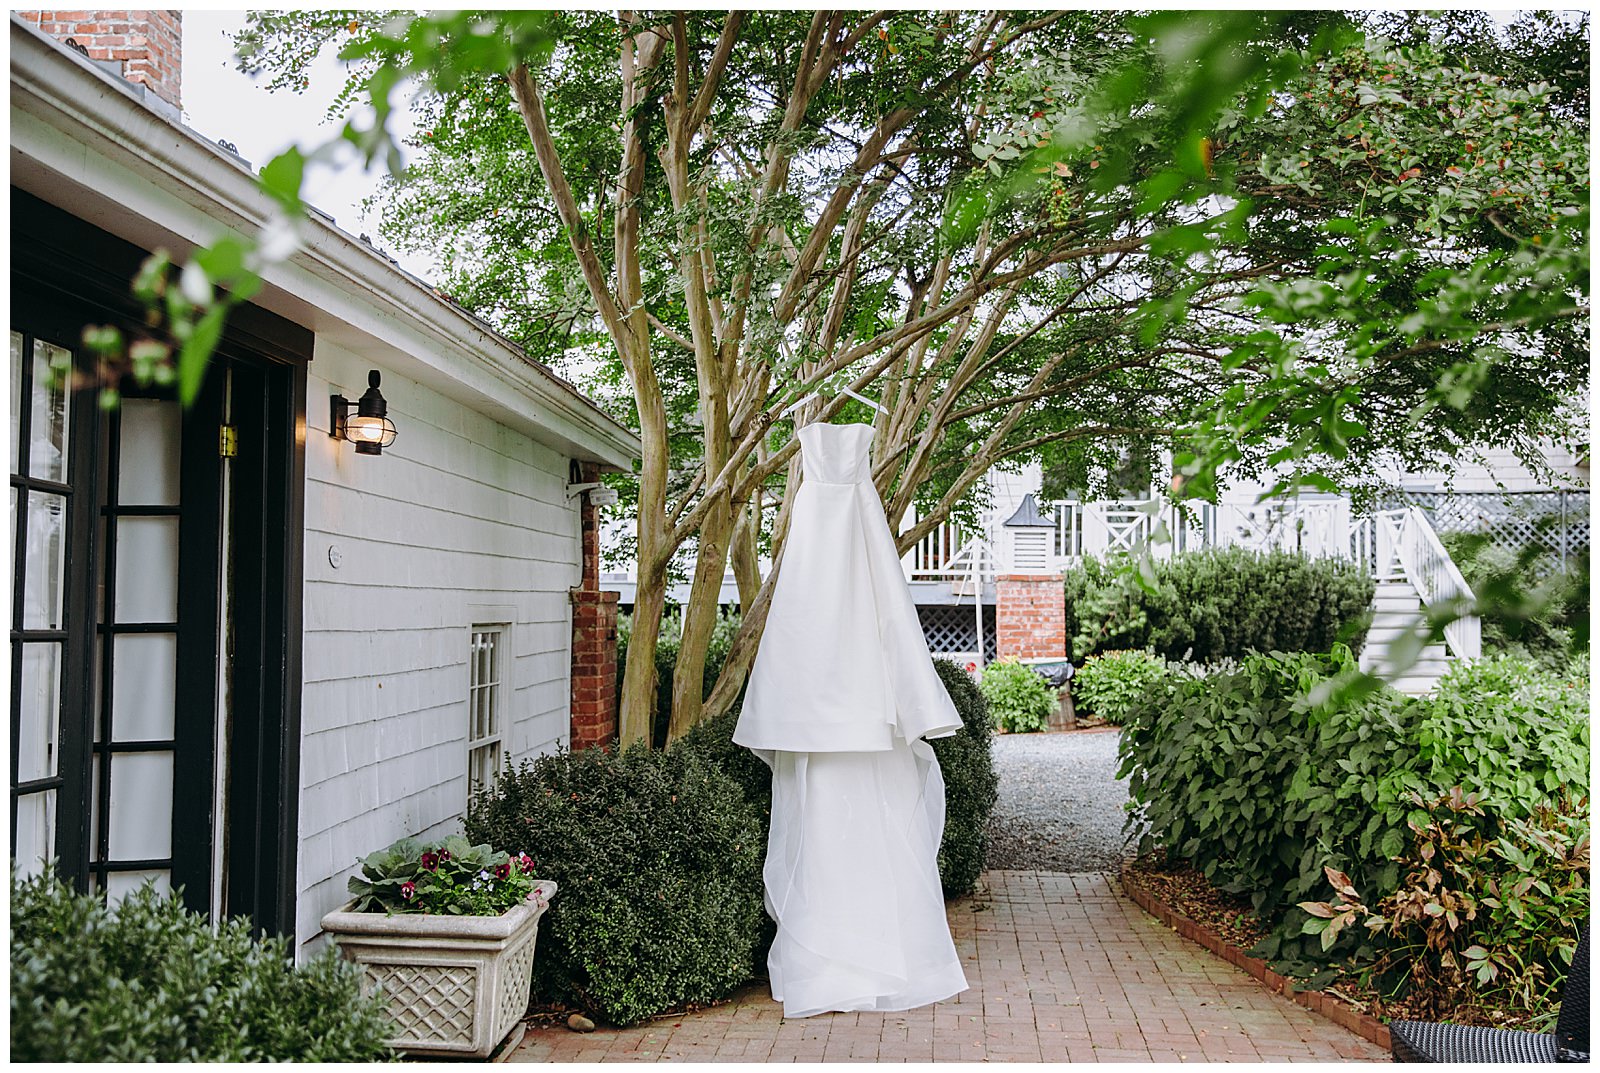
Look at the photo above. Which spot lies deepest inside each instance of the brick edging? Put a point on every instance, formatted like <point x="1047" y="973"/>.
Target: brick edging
<point x="1340" y="1013"/>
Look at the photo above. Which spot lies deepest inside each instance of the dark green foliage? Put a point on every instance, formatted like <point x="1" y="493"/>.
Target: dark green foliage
<point x="970" y="784"/>
<point x="1531" y="602"/>
<point x="722" y="635"/>
<point x="713" y="739"/>
<point x="1112" y="684"/>
<point x="1218" y="603"/>
<point x="1244" y="775"/>
<point x="658" y="860"/>
<point x="151" y="982"/>
<point x="1479" y="915"/>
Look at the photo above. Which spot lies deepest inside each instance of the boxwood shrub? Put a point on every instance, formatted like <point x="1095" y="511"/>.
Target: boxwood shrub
<point x="971" y="785"/>
<point x="1218" y="603"/>
<point x="658" y="857"/>
<point x="149" y="981"/>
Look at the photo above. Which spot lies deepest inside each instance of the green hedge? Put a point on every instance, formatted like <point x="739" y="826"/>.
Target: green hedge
<point x="658" y="859"/>
<point x="971" y="785"/>
<point x="1260" y="788"/>
<point x="150" y="981"/>
<point x="1217" y="604"/>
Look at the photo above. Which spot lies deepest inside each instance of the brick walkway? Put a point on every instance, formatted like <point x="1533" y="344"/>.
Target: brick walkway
<point x="1061" y="968"/>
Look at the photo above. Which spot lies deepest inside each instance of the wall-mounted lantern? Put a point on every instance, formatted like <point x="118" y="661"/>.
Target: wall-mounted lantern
<point x="370" y="428"/>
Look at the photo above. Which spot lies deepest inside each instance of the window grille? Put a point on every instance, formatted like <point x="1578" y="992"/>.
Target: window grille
<point x="484" y="702"/>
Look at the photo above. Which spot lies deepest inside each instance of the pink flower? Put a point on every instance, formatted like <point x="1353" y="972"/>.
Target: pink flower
<point x="501" y="871"/>
<point x="408" y="890"/>
<point x="430" y="861"/>
<point x="444" y="855"/>
<point x="525" y="862"/>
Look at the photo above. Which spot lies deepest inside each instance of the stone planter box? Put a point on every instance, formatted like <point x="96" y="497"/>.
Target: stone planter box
<point x="455" y="985"/>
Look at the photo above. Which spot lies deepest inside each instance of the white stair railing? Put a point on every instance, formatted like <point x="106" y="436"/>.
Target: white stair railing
<point x="1408" y="549"/>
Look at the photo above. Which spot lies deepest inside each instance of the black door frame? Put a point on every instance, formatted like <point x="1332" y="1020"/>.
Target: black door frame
<point x="66" y="274"/>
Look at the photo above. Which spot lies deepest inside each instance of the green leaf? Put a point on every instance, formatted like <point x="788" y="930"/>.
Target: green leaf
<point x="196" y="352"/>
<point x="283" y="176"/>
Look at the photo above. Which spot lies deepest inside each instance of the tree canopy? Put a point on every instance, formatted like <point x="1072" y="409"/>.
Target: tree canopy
<point x="1253" y="239"/>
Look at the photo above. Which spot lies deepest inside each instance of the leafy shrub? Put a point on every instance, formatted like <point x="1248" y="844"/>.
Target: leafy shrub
<point x="713" y="740"/>
<point x="658" y="859"/>
<point x="1477" y="916"/>
<point x="1217" y="603"/>
<point x="452" y="877"/>
<point x="1020" y="700"/>
<point x="1514" y="735"/>
<point x="1113" y="683"/>
<point x="1261" y="787"/>
<point x="1532" y="603"/>
<point x="971" y="786"/>
<point x="1238" y="774"/>
<point x="150" y="981"/>
<point x="671" y="635"/>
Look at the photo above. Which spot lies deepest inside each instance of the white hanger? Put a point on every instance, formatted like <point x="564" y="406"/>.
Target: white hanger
<point x="803" y="399"/>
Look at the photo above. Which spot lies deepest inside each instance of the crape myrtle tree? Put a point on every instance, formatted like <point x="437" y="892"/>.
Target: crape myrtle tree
<point x="1255" y="240"/>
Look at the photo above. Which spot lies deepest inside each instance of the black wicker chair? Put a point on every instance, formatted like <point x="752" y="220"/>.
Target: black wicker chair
<point x="1424" y="1041"/>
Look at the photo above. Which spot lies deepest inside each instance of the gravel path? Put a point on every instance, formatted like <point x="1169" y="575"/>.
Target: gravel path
<point x="1060" y="807"/>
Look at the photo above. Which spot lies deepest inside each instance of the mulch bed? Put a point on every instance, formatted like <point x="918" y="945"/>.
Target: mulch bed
<point x="1231" y="918"/>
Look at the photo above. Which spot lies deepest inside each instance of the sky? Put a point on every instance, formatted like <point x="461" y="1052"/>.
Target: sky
<point x="222" y="103"/>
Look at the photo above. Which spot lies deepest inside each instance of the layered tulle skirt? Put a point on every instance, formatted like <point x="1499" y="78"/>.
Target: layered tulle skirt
<point x="852" y="880"/>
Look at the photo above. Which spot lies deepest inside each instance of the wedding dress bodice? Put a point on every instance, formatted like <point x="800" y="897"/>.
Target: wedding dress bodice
<point x="836" y="454"/>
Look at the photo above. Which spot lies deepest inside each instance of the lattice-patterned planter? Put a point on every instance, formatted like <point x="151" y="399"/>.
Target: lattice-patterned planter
<point x="455" y="985"/>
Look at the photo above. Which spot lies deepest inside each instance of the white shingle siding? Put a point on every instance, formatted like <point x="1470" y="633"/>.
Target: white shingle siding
<point x="463" y="520"/>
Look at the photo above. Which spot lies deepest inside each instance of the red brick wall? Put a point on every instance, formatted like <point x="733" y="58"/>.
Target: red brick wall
<point x="149" y="43"/>
<point x="1030" y="616"/>
<point x="594" y="639"/>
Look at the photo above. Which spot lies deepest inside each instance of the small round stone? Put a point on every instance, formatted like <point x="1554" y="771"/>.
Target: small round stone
<point x="579" y="1023"/>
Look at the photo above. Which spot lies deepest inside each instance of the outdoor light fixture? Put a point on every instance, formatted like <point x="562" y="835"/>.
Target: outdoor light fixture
<point x="370" y="429"/>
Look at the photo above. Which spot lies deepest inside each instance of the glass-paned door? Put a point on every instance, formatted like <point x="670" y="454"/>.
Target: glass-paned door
<point x="135" y="725"/>
<point x="41" y="500"/>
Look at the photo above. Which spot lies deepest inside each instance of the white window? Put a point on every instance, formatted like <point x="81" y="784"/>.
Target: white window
<point x="484" y="704"/>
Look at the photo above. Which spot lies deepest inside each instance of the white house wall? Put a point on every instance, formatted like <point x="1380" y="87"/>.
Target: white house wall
<point x="463" y="520"/>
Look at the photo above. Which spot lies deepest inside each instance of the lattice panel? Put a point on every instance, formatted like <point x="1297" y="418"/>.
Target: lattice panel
<point x="951" y="630"/>
<point x="1556" y="520"/>
<point x="431" y="1003"/>
<point x="516" y="978"/>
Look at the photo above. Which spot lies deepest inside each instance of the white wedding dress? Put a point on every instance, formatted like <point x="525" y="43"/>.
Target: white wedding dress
<point x="841" y="695"/>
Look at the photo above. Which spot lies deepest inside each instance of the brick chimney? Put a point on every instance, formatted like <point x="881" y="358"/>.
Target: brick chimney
<point x="147" y="45"/>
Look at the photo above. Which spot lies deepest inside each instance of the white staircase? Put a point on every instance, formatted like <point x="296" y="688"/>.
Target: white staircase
<point x="1414" y="572"/>
<point x="1396" y="607"/>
